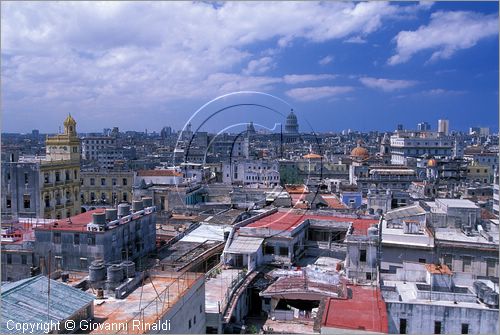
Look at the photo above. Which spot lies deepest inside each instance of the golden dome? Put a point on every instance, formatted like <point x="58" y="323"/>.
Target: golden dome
<point x="359" y="152"/>
<point x="431" y="162"/>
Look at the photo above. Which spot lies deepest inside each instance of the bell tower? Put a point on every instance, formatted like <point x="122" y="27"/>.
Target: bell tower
<point x="65" y="146"/>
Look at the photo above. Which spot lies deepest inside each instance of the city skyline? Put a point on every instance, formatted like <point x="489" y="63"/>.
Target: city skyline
<point x="340" y="65"/>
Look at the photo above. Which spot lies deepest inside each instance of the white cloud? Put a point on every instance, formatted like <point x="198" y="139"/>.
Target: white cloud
<point x="355" y="40"/>
<point x="300" y="78"/>
<point x="325" y="60"/>
<point x="386" y="85"/>
<point x="317" y="93"/>
<point x="259" y="66"/>
<point x="441" y="92"/>
<point x="447" y="33"/>
<point x="92" y="57"/>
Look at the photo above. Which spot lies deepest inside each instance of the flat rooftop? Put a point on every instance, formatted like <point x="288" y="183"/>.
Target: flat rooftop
<point x="366" y="311"/>
<point x="148" y="302"/>
<point x="289" y="221"/>
<point x="457" y="203"/>
<point x="217" y="288"/>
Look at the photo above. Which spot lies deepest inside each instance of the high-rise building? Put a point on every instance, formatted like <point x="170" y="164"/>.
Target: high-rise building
<point x="400" y="127"/>
<point x="443" y="126"/>
<point x="423" y="126"/>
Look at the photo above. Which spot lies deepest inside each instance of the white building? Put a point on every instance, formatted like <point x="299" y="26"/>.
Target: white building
<point x="248" y="172"/>
<point x="405" y="145"/>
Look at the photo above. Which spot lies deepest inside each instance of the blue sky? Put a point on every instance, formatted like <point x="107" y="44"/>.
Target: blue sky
<point x="363" y="66"/>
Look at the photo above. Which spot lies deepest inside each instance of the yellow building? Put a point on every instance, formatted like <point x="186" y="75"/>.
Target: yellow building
<point x="106" y="187"/>
<point x="60" y="174"/>
<point x="479" y="173"/>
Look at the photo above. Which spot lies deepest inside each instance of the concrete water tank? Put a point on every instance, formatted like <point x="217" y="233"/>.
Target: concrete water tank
<point x="97" y="271"/>
<point x="147" y="202"/>
<point x="137" y="205"/>
<point x="128" y="269"/>
<point x="99" y="219"/>
<point x="123" y="210"/>
<point x="111" y="214"/>
<point x="115" y="273"/>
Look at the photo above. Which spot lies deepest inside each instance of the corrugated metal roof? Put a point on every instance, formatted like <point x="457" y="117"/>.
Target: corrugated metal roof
<point x="25" y="301"/>
<point x="207" y="232"/>
<point x="404" y="212"/>
<point x="245" y="245"/>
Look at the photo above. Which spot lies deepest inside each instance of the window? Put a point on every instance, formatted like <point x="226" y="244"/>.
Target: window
<point x="448" y="260"/>
<point x="201" y="308"/>
<point x="124" y="181"/>
<point x="47" y="200"/>
<point x="421" y="260"/>
<point x="194" y="319"/>
<point x="92" y="181"/>
<point x="465" y="328"/>
<point x="402" y="326"/>
<point x="46" y="178"/>
<point x="92" y="196"/>
<point x="56" y="238"/>
<point x="490" y="267"/>
<point x="466" y="264"/>
<point x="103" y="181"/>
<point x="8" y="202"/>
<point x="269" y="249"/>
<point x="76" y="239"/>
<point x="113" y="181"/>
<point x="75" y="174"/>
<point x="58" y="176"/>
<point x="90" y="239"/>
<point x="437" y="327"/>
<point x="9" y="259"/>
<point x="125" y="197"/>
<point x="362" y="255"/>
<point x="67" y="175"/>
<point x="24" y="259"/>
<point x="26" y="178"/>
<point x="368" y="276"/>
<point x="27" y="201"/>
<point x="283" y="251"/>
<point x="189" y="324"/>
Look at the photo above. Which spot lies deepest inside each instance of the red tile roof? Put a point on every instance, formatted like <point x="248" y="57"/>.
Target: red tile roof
<point x="334" y="202"/>
<point x="289" y="221"/>
<point x="365" y="311"/>
<point x="75" y="223"/>
<point x="158" y="173"/>
<point x="296" y="189"/>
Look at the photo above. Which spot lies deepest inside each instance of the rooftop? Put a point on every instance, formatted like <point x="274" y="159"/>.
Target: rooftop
<point x="148" y="302"/>
<point x="158" y="173"/>
<point x="25" y="301"/>
<point x="457" y="203"/>
<point x="287" y="221"/>
<point x="366" y="311"/>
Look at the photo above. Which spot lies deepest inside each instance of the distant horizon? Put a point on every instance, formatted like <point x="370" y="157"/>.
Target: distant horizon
<point x="340" y="65"/>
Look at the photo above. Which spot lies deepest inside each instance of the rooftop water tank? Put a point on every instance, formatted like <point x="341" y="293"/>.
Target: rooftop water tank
<point x="115" y="273"/>
<point x="123" y="210"/>
<point x="97" y="271"/>
<point x="137" y="205"/>
<point x="99" y="219"/>
<point x="147" y="202"/>
<point x="111" y="214"/>
<point x="128" y="268"/>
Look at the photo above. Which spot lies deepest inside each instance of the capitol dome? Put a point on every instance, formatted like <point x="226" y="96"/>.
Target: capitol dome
<point x="359" y="152"/>
<point x="291" y="125"/>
